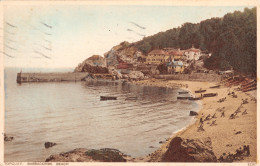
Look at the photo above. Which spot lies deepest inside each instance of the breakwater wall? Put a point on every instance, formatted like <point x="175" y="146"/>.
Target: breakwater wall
<point x="203" y="77"/>
<point x="50" y="77"/>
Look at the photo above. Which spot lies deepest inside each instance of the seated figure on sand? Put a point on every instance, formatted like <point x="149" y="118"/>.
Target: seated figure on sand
<point x="200" y="128"/>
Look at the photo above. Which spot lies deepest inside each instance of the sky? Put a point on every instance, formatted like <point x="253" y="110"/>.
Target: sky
<point x="61" y="36"/>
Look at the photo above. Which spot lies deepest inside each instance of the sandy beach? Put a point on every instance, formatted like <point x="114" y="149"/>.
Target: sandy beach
<point x="227" y="135"/>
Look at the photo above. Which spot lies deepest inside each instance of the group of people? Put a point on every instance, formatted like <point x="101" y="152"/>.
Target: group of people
<point x="234" y="115"/>
<point x="222" y="100"/>
<point x="232" y="94"/>
<point x="208" y="117"/>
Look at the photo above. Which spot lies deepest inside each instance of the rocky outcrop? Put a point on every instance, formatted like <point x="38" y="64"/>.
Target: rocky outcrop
<point x="124" y="52"/>
<point x="85" y="155"/>
<point x="124" y="57"/>
<point x="189" y="150"/>
<point x="8" y="138"/>
<point x="193" y="113"/>
<point x="93" y="64"/>
<point x="94" y="69"/>
<point x="49" y="144"/>
<point x="136" y="75"/>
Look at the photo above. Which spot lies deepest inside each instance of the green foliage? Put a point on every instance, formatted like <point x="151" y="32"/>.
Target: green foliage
<point x="145" y="47"/>
<point x="162" y="68"/>
<point x="231" y="40"/>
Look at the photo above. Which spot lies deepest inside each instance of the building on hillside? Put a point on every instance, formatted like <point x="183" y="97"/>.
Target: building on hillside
<point x="176" y="55"/>
<point x="192" y="53"/>
<point x="157" y="57"/>
<point x="175" y="67"/>
<point x="124" y="67"/>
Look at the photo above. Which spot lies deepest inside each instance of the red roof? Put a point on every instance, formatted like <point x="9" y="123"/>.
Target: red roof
<point x="193" y="50"/>
<point x="172" y="53"/>
<point x="122" y="66"/>
<point x="157" y="52"/>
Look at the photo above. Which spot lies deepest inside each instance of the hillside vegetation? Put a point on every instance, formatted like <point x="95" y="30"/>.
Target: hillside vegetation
<point x="231" y="40"/>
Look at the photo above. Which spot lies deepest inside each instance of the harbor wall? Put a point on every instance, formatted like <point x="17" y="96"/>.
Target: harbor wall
<point x="50" y="77"/>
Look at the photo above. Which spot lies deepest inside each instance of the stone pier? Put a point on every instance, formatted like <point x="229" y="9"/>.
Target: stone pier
<point x="50" y="77"/>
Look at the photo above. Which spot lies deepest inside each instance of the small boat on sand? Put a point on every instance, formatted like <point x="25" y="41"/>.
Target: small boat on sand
<point x="184" y="92"/>
<point x="200" y="91"/>
<point x="195" y="98"/>
<point x="108" y="98"/>
<point x="210" y="94"/>
<point x="182" y="98"/>
<point x="131" y="98"/>
<point x="216" y="86"/>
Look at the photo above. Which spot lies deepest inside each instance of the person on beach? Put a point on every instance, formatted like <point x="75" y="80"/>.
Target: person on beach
<point x="201" y="120"/>
<point x="223" y="114"/>
<point x="245" y="112"/>
<point x="201" y="128"/>
<point x="208" y="117"/>
<point x="247" y="150"/>
<point x="213" y="123"/>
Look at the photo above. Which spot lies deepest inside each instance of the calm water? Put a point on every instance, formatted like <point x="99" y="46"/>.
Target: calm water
<point x="72" y="115"/>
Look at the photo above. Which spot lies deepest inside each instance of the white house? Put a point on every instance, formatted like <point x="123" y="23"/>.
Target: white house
<point x="192" y="53"/>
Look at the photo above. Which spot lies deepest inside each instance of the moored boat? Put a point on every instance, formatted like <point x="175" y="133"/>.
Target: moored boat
<point x="195" y="98"/>
<point x="108" y="98"/>
<point x="182" y="98"/>
<point x="210" y="94"/>
<point x="200" y="91"/>
<point x="216" y="86"/>
<point x="131" y="98"/>
<point x="184" y="92"/>
<point x="249" y="89"/>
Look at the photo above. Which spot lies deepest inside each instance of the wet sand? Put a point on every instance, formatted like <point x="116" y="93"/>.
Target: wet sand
<point x="228" y="134"/>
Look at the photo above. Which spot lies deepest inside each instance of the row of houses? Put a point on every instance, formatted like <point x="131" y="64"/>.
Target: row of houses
<point x="176" y="60"/>
<point x="159" y="56"/>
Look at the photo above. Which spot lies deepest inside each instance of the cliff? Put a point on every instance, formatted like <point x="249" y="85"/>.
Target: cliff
<point x="93" y="64"/>
<point x="124" y="55"/>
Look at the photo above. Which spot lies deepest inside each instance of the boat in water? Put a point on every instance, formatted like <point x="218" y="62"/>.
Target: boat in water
<point x="108" y="98"/>
<point x="131" y="98"/>
<point x="184" y="92"/>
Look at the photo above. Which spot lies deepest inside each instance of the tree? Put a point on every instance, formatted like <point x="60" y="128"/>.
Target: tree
<point x="231" y="40"/>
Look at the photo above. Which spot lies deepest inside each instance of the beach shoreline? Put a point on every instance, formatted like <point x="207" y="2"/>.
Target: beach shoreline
<point x="223" y="135"/>
<point x="227" y="135"/>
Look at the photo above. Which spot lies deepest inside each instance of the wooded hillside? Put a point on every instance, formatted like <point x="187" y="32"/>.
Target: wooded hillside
<point x="231" y="40"/>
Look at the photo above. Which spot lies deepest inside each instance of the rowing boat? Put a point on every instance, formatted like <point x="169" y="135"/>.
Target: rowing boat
<point x="107" y="98"/>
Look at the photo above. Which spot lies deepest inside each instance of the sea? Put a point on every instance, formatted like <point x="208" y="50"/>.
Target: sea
<point x="72" y="115"/>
